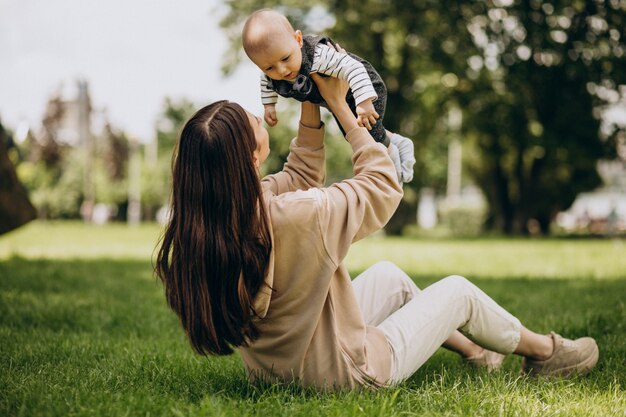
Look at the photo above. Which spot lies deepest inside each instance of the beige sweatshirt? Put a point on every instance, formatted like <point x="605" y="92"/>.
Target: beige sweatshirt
<point x="312" y="330"/>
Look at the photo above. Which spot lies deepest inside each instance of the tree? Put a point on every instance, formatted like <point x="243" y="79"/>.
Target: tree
<point x="156" y="178"/>
<point x="53" y="172"/>
<point x="15" y="207"/>
<point x="389" y="38"/>
<point x="533" y="111"/>
<point x="524" y="73"/>
<point x="110" y="173"/>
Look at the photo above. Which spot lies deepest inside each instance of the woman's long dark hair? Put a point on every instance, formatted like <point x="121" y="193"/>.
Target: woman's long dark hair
<point x="215" y="249"/>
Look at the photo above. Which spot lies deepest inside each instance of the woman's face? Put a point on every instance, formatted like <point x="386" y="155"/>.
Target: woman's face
<point x="262" y="140"/>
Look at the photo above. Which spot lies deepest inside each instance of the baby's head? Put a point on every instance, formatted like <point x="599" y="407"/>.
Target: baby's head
<point x="272" y="44"/>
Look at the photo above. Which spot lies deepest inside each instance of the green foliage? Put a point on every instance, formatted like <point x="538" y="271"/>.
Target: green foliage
<point x="170" y="121"/>
<point x="156" y="181"/>
<point x="528" y="75"/>
<point x="56" y="190"/>
<point x="462" y="221"/>
<point x="281" y="136"/>
<point x="533" y="114"/>
<point x="110" y="171"/>
<point x="108" y="190"/>
<point x="115" y="153"/>
<point x="338" y="153"/>
<point x="91" y="334"/>
<point x="54" y="173"/>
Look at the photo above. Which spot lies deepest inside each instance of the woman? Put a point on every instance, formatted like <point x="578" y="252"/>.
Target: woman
<point x="257" y="264"/>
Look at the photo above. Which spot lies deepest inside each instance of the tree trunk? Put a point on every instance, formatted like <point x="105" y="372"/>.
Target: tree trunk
<point x="404" y="215"/>
<point x="15" y="208"/>
<point x="502" y="207"/>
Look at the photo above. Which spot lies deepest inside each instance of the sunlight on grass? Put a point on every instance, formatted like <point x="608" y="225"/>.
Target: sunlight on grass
<point x="496" y="258"/>
<point x="484" y="258"/>
<point x="65" y="240"/>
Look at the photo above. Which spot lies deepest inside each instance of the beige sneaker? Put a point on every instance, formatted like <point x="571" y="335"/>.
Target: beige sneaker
<point x="487" y="359"/>
<point x="569" y="357"/>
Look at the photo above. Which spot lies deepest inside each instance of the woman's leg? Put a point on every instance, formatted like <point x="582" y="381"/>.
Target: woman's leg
<point x="381" y="290"/>
<point x="384" y="288"/>
<point x="554" y="355"/>
<point x="418" y="329"/>
<point x="415" y="323"/>
<point x="462" y="345"/>
<point x="534" y="345"/>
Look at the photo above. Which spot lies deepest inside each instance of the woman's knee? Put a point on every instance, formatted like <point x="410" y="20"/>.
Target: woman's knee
<point x="458" y="282"/>
<point x="457" y="279"/>
<point x="391" y="274"/>
<point x="396" y="278"/>
<point x="385" y="266"/>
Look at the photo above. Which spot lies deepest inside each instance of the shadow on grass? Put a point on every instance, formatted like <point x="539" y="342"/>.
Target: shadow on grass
<point x="103" y="325"/>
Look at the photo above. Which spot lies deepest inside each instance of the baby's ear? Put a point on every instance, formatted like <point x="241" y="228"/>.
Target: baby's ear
<point x="298" y="36"/>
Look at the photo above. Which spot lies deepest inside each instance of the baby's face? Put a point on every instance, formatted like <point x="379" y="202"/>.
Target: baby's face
<point x="282" y="59"/>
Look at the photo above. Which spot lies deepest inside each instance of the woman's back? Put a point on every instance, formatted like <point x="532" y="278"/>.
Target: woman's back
<point x="310" y="324"/>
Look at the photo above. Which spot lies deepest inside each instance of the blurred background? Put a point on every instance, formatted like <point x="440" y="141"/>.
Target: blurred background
<point x="517" y="108"/>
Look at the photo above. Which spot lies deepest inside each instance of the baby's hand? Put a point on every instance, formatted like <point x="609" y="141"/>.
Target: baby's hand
<point x="270" y="114"/>
<point x="366" y="114"/>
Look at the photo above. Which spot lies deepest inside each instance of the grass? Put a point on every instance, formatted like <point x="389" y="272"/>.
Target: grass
<point x="84" y="331"/>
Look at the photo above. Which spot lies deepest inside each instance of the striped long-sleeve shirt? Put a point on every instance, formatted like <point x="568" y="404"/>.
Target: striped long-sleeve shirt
<point x="328" y="61"/>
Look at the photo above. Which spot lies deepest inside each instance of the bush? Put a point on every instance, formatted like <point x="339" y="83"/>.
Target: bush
<point x="462" y="220"/>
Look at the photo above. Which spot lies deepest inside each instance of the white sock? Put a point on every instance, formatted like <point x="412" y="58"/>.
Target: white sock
<point x="394" y="154"/>
<point x="406" y="156"/>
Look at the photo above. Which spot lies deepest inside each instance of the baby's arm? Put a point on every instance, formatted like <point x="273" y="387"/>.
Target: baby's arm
<point x="366" y="113"/>
<point x="330" y="62"/>
<point x="269" y="99"/>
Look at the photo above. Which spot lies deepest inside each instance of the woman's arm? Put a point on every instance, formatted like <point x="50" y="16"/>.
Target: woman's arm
<point x="310" y="115"/>
<point x="305" y="170"/>
<point x="354" y="208"/>
<point x="305" y="166"/>
<point x="334" y="91"/>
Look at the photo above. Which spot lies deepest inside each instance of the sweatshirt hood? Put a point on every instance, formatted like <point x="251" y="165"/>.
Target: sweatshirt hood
<point x="264" y="296"/>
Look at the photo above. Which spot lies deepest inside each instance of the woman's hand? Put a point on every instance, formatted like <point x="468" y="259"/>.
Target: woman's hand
<point x="334" y="91"/>
<point x="338" y="48"/>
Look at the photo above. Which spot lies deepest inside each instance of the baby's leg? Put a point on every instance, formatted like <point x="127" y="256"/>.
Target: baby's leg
<point x="406" y="155"/>
<point x="378" y="132"/>
<point x="403" y="156"/>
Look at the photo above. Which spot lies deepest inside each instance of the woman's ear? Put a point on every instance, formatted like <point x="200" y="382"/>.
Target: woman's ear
<point x="255" y="159"/>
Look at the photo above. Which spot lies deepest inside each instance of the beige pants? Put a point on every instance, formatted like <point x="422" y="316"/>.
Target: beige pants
<point x="417" y="323"/>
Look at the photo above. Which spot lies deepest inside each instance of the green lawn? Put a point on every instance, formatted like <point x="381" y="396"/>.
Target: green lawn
<point x="84" y="330"/>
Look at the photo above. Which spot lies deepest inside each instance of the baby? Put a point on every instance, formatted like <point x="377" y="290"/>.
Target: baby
<point x="287" y="58"/>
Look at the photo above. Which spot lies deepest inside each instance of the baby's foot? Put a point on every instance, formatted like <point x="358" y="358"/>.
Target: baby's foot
<point x="394" y="154"/>
<point x="407" y="156"/>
